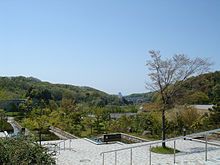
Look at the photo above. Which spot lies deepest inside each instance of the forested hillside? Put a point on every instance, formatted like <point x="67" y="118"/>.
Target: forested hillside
<point x="203" y="89"/>
<point x="20" y="87"/>
<point x="85" y="111"/>
<point x="140" y="97"/>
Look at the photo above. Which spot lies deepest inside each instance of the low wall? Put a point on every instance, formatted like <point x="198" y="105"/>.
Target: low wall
<point x="133" y="138"/>
<point x="17" y="124"/>
<point x="63" y="133"/>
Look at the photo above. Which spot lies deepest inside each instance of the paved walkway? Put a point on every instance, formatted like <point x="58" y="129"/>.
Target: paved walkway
<point x="2" y="135"/>
<point x="86" y="153"/>
<point x="15" y="125"/>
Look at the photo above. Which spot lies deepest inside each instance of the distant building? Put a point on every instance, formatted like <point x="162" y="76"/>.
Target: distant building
<point x="120" y="95"/>
<point x="123" y="100"/>
<point x="203" y="108"/>
<point x="118" y="115"/>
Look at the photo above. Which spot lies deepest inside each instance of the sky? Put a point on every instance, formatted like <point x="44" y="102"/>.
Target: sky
<point x="103" y="43"/>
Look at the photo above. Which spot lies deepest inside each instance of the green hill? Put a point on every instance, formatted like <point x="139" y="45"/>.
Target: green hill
<point x="19" y="87"/>
<point x="137" y="98"/>
<point x="202" y="89"/>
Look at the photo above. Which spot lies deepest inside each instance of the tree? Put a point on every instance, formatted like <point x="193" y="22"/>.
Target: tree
<point x="189" y="116"/>
<point x="100" y="116"/>
<point x="216" y="93"/>
<point x="2" y="118"/>
<point x="39" y="97"/>
<point x="68" y="105"/>
<point x="167" y="75"/>
<point x="38" y="120"/>
<point x="89" y="123"/>
<point x="197" y="97"/>
<point x="215" y="114"/>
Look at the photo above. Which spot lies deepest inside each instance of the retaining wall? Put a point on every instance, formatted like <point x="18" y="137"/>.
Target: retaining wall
<point x="63" y="133"/>
<point x="133" y="138"/>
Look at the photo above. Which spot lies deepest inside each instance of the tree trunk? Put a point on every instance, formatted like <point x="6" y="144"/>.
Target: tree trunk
<point x="40" y="136"/>
<point x="91" y="130"/>
<point x="163" y="128"/>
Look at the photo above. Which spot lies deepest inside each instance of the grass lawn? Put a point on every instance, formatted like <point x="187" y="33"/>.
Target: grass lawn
<point x="162" y="150"/>
<point x="86" y="133"/>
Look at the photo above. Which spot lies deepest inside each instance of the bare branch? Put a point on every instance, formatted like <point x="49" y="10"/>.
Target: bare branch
<point x="165" y="73"/>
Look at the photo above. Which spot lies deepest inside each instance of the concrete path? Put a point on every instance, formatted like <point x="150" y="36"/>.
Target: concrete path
<point x="87" y="153"/>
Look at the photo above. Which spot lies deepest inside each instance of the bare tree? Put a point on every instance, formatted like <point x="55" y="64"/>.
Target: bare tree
<point x="167" y="76"/>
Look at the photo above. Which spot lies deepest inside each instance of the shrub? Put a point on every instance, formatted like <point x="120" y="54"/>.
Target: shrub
<point x="23" y="151"/>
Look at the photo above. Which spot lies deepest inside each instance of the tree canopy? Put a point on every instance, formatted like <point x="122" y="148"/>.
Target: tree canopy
<point x="167" y="76"/>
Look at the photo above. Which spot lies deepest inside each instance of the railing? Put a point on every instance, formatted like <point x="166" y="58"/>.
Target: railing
<point x="62" y="145"/>
<point x="204" y="133"/>
<point x="138" y="146"/>
<point x="52" y="148"/>
<point x="149" y="144"/>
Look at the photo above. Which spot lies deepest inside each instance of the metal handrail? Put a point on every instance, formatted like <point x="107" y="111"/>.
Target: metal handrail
<point x="204" y="133"/>
<point x="142" y="145"/>
<point x="186" y="137"/>
<point x="64" y="142"/>
<point x="148" y="144"/>
<point x="160" y="141"/>
<point x="58" y="145"/>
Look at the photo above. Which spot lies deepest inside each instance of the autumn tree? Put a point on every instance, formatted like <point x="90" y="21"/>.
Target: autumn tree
<point x="167" y="76"/>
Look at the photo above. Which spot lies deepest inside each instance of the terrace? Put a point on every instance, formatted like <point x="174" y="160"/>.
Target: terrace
<point x="192" y="152"/>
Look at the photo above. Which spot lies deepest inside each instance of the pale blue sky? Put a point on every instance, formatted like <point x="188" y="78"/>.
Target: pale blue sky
<point x="103" y="43"/>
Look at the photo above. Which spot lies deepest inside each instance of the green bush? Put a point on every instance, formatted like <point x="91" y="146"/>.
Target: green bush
<point x="23" y="151"/>
<point x="5" y="126"/>
<point x="46" y="136"/>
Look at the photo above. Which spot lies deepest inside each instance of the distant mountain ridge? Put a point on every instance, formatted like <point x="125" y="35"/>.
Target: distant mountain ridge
<point x="17" y="87"/>
<point x="137" y="98"/>
<point x="202" y="89"/>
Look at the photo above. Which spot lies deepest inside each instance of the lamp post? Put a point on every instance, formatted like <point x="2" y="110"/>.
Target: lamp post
<point x="184" y="133"/>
